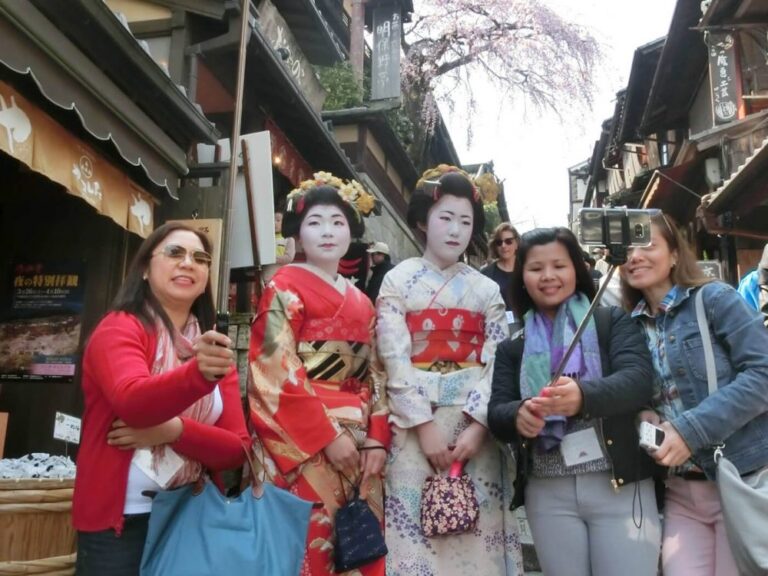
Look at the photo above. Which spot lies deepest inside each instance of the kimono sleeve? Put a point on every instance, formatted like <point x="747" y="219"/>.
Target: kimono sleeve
<point x="378" y="426"/>
<point x="409" y="404"/>
<point x="496" y="330"/>
<point x="290" y="419"/>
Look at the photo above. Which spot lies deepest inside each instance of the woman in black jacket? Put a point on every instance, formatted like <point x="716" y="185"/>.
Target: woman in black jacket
<point x="589" y="491"/>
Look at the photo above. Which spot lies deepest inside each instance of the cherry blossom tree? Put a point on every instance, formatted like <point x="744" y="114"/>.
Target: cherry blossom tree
<point x="523" y="48"/>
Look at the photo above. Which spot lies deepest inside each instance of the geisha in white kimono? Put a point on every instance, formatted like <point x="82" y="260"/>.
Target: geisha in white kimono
<point x="439" y="322"/>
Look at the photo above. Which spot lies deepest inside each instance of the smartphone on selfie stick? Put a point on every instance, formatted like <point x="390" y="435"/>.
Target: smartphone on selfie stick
<point x="617" y="229"/>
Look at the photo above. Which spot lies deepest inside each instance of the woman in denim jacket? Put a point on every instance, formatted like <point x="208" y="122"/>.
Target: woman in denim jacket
<point x="659" y="284"/>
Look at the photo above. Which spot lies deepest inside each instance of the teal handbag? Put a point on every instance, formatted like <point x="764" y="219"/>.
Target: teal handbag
<point x="196" y="531"/>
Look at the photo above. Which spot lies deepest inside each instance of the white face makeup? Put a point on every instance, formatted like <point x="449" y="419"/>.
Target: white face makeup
<point x="449" y="229"/>
<point x="325" y="236"/>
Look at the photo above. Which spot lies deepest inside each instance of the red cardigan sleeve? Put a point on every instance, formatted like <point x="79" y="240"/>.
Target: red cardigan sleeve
<point x="116" y="359"/>
<point x="218" y="447"/>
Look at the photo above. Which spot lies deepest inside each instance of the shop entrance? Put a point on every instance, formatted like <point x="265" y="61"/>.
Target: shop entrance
<point x="60" y="265"/>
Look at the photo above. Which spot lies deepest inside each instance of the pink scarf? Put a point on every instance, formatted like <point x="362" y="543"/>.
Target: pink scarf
<point x="170" y="353"/>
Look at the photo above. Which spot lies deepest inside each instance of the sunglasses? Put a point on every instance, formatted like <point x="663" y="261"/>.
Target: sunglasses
<point x="179" y="253"/>
<point x="508" y="241"/>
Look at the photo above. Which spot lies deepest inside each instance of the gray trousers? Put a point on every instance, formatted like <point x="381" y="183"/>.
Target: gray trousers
<point x="582" y="527"/>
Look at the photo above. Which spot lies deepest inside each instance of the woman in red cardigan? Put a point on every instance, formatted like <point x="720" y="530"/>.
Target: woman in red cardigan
<point x="162" y="400"/>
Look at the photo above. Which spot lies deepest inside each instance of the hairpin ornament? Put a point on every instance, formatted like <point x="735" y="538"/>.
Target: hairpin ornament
<point x="433" y="188"/>
<point x="351" y="191"/>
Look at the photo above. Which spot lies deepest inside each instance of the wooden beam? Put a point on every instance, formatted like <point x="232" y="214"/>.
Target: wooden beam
<point x="3" y="431"/>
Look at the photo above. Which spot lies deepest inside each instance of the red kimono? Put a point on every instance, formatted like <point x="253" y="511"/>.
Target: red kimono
<point x="313" y="376"/>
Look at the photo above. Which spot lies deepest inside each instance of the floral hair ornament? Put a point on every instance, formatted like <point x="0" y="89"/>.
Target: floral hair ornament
<point x="350" y="191"/>
<point x="429" y="183"/>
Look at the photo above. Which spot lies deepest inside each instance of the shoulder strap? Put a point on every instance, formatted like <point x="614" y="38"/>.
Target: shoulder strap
<point x="706" y="340"/>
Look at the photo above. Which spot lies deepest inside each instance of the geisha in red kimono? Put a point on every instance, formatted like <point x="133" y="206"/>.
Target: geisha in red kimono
<point x="316" y="392"/>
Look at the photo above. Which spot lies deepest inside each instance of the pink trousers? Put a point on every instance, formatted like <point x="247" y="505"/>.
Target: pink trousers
<point x="694" y="541"/>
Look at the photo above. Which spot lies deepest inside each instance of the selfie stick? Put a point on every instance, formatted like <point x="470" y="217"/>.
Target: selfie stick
<point x="617" y="256"/>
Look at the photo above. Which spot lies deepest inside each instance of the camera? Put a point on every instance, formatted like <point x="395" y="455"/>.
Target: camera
<point x="651" y="436"/>
<point x="614" y="227"/>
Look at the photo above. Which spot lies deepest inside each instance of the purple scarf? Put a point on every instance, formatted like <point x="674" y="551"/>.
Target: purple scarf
<point x="546" y="342"/>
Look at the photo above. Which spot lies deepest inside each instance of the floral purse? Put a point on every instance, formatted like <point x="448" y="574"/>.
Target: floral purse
<point x="448" y="503"/>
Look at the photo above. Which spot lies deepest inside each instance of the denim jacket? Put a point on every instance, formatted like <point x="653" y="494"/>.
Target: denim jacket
<point x="737" y="414"/>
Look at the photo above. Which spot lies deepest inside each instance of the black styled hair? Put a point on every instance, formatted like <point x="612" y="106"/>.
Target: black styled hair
<point x="135" y="297"/>
<point x="452" y="183"/>
<point x="325" y="195"/>
<point x="521" y="300"/>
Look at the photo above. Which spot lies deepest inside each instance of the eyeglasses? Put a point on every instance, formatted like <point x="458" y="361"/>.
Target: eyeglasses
<point x="657" y="212"/>
<point x="179" y="253"/>
<point x="508" y="241"/>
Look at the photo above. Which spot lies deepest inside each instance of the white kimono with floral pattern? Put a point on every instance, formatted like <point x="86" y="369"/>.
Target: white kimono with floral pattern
<point x="450" y="399"/>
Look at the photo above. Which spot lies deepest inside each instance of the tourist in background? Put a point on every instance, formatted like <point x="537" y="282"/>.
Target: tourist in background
<point x="595" y="274"/>
<point x="381" y="263"/>
<point x="601" y="260"/>
<point x="285" y="249"/>
<point x="754" y="287"/>
<point x="503" y="246"/>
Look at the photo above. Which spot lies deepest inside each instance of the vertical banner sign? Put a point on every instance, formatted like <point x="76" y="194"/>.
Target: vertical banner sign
<point x="385" y="76"/>
<point x="40" y="329"/>
<point x="724" y="77"/>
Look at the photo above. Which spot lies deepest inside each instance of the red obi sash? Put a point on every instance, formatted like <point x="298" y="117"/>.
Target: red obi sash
<point x="446" y="334"/>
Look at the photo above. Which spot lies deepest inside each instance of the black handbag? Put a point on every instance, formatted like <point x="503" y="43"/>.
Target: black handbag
<point x="359" y="538"/>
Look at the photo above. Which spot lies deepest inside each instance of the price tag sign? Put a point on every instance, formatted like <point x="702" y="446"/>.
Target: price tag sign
<point x="67" y="428"/>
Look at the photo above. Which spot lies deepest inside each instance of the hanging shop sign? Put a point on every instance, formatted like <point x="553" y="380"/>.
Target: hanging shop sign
<point x="278" y="34"/>
<point x="724" y="77"/>
<point x="285" y="157"/>
<point x="711" y="268"/>
<point x="34" y="138"/>
<point x="40" y="327"/>
<point x="387" y="29"/>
